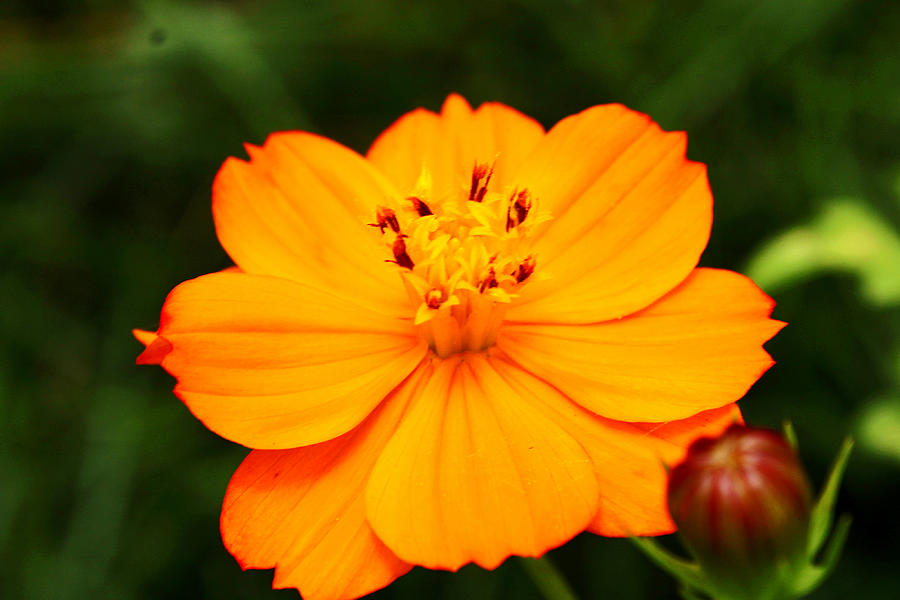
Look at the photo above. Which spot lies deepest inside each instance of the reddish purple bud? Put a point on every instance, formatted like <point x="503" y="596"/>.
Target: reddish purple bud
<point x="742" y="504"/>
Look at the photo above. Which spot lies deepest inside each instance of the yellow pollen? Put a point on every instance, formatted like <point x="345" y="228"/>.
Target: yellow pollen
<point x="462" y="258"/>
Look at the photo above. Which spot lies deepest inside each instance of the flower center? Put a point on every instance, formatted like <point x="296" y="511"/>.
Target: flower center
<point x="462" y="257"/>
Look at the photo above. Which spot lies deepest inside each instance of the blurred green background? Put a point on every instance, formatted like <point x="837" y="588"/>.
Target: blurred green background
<point x="115" y="116"/>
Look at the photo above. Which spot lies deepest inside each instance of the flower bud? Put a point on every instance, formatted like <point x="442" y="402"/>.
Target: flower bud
<point x="742" y="504"/>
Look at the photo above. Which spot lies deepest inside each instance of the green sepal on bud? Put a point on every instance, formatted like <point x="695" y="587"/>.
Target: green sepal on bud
<point x="743" y="507"/>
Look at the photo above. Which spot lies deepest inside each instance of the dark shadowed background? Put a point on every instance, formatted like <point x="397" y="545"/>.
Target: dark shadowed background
<point x="115" y="116"/>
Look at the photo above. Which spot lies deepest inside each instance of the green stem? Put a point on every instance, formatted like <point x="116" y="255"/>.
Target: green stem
<point x="547" y="578"/>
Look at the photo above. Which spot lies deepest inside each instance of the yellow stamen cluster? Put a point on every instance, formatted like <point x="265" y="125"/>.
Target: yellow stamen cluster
<point x="462" y="257"/>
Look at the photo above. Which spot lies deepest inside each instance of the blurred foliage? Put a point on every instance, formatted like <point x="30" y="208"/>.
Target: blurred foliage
<point x="846" y="236"/>
<point x="879" y="426"/>
<point x="115" y="116"/>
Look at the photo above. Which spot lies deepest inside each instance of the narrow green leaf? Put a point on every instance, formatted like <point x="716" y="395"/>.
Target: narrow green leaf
<point x="822" y="515"/>
<point x="814" y="575"/>
<point x="790" y="434"/>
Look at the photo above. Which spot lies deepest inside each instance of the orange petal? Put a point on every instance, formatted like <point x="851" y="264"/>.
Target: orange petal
<point x="448" y="145"/>
<point x="302" y="512"/>
<point x="298" y="209"/>
<point x="474" y="474"/>
<point x="271" y="363"/>
<point x="629" y="458"/>
<point x="631" y="216"/>
<point x="418" y="139"/>
<point x="155" y="347"/>
<point x="697" y="348"/>
<point x="494" y="134"/>
<point x="143" y="336"/>
<point x="634" y="502"/>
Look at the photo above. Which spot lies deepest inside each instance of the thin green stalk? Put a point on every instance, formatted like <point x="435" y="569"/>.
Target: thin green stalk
<point x="547" y="578"/>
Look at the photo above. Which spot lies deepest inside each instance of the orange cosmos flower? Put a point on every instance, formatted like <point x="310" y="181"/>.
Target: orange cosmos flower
<point x="477" y="341"/>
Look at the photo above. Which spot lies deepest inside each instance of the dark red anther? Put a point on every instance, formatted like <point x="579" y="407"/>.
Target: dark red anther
<point x="479" y="189"/>
<point x="420" y="207"/>
<point x="434" y="298"/>
<point x="490" y="281"/>
<point x="386" y="218"/>
<point x="400" y="255"/>
<point x="525" y="269"/>
<point x="519" y="205"/>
